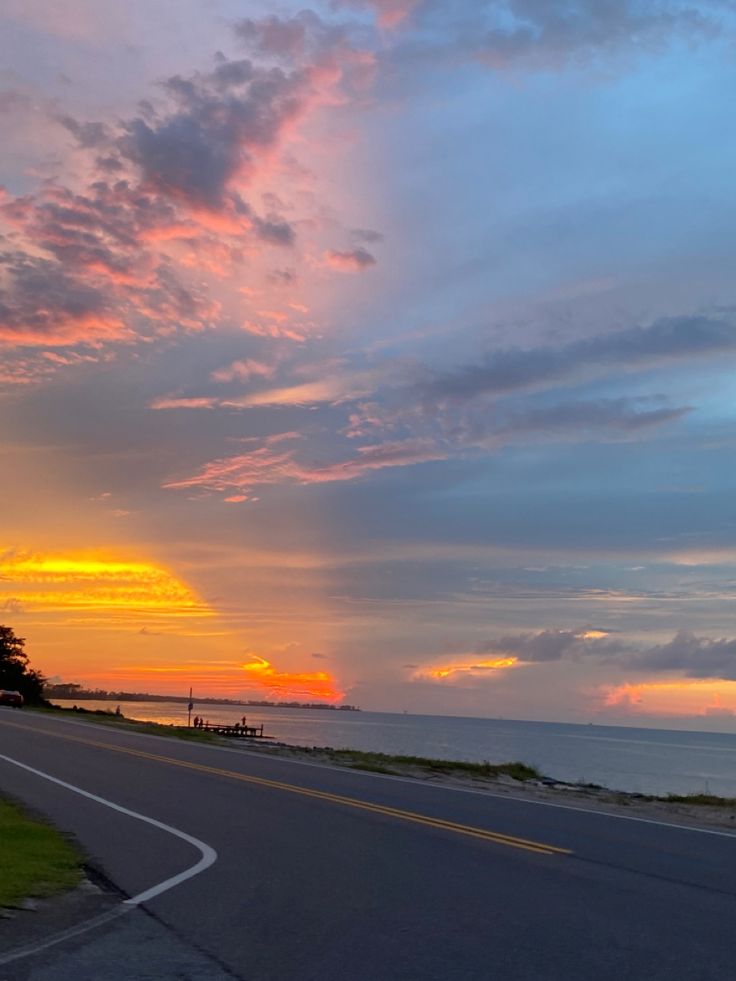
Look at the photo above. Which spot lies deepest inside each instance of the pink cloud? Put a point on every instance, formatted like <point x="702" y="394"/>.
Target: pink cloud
<point x="264" y="466"/>
<point x="287" y="332"/>
<point x="243" y="371"/>
<point x="112" y="257"/>
<point x="389" y="13"/>
<point x="354" y="260"/>
<point x="183" y="403"/>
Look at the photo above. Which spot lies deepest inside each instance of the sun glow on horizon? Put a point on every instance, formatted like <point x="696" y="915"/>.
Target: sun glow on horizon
<point x="95" y="582"/>
<point x="314" y="684"/>
<point x="684" y="696"/>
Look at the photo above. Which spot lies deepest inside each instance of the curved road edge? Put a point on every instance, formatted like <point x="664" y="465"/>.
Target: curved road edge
<point x="208" y="856"/>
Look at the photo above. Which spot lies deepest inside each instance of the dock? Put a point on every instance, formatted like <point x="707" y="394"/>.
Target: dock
<point x="238" y="731"/>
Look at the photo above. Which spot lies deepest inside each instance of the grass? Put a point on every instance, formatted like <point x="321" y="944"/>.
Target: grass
<point x="113" y="721"/>
<point x="704" y="800"/>
<point x="35" y="859"/>
<point x="354" y="758"/>
<point x="383" y="763"/>
<point x="373" y="768"/>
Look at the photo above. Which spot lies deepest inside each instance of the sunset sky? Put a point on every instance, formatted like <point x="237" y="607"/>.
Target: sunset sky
<point x="376" y="350"/>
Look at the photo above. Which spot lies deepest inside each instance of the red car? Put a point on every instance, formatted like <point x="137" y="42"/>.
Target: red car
<point x="13" y="698"/>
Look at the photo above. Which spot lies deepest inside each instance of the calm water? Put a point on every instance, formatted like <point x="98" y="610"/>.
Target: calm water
<point x="645" y="760"/>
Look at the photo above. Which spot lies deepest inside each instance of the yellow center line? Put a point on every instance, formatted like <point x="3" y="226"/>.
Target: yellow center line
<point x="395" y="812"/>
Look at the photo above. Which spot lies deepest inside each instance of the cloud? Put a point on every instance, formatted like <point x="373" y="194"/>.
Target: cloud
<point x="694" y="657"/>
<point x="222" y="122"/>
<point x="292" y="684"/>
<point x="366" y="235"/>
<point x="667" y="339"/>
<point x="693" y="698"/>
<point x="339" y="53"/>
<point x="283" y="277"/>
<point x="12" y="606"/>
<point x="554" y="645"/>
<point x="389" y="13"/>
<point x="243" y="371"/>
<point x="83" y="272"/>
<point x="460" y="434"/>
<point x="332" y="388"/>
<point x="274" y="230"/>
<point x="168" y="402"/>
<point x="112" y="258"/>
<point x="544" y="34"/>
<point x="96" y="584"/>
<point x="87" y="135"/>
<point x="353" y="260"/>
<point x="565" y="421"/>
<point x="516" y="650"/>
<point x="43" y="305"/>
<point x="302" y="37"/>
<point x="266" y="466"/>
<point x="462" y="669"/>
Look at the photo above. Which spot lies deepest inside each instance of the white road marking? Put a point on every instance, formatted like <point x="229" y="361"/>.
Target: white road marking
<point x="208" y="858"/>
<point x="59" y="938"/>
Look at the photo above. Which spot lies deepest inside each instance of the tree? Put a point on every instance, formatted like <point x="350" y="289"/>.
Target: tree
<point x="16" y="674"/>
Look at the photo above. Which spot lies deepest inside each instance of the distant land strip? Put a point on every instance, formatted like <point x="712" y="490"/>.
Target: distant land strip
<point x="79" y="693"/>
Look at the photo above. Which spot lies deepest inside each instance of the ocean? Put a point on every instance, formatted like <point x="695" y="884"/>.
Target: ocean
<point x="650" y="761"/>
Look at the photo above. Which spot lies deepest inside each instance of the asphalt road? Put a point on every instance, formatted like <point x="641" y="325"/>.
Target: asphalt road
<point x="346" y="876"/>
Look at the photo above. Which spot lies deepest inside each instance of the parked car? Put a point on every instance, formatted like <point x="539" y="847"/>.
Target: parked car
<point x="13" y="698"/>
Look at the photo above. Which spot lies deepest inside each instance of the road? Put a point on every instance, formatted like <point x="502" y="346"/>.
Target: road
<point x="299" y="872"/>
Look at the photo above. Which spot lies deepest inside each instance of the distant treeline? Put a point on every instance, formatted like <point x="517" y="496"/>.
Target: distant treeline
<point x="80" y="693"/>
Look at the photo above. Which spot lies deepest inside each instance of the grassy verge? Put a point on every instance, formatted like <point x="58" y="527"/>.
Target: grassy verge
<point x="35" y="859"/>
<point x="702" y="800"/>
<point x="113" y="721"/>
<point x="388" y="763"/>
<point x="393" y="764"/>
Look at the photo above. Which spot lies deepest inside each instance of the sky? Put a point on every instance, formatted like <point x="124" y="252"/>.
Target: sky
<point x="373" y="351"/>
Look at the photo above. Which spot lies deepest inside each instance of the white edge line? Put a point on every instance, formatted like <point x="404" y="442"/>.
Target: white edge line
<point x="418" y="783"/>
<point x="208" y="854"/>
<point x="58" y="938"/>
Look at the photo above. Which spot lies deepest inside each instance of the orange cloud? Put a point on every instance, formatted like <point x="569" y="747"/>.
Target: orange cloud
<point x="52" y="330"/>
<point x="464" y="668"/>
<point x="182" y="403"/>
<point x="287" y="684"/>
<point x="674" y="697"/>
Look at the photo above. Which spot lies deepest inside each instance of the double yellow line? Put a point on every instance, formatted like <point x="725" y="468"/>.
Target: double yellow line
<point x="394" y="812"/>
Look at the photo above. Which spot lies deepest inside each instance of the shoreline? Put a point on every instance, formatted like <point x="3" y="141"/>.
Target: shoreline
<point x="707" y="811"/>
<point x="515" y="779"/>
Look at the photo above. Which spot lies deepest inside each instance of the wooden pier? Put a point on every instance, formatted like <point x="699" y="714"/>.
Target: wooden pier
<point x="238" y="731"/>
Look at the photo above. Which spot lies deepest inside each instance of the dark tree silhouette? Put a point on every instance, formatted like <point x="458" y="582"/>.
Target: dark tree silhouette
<point x="16" y="674"/>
